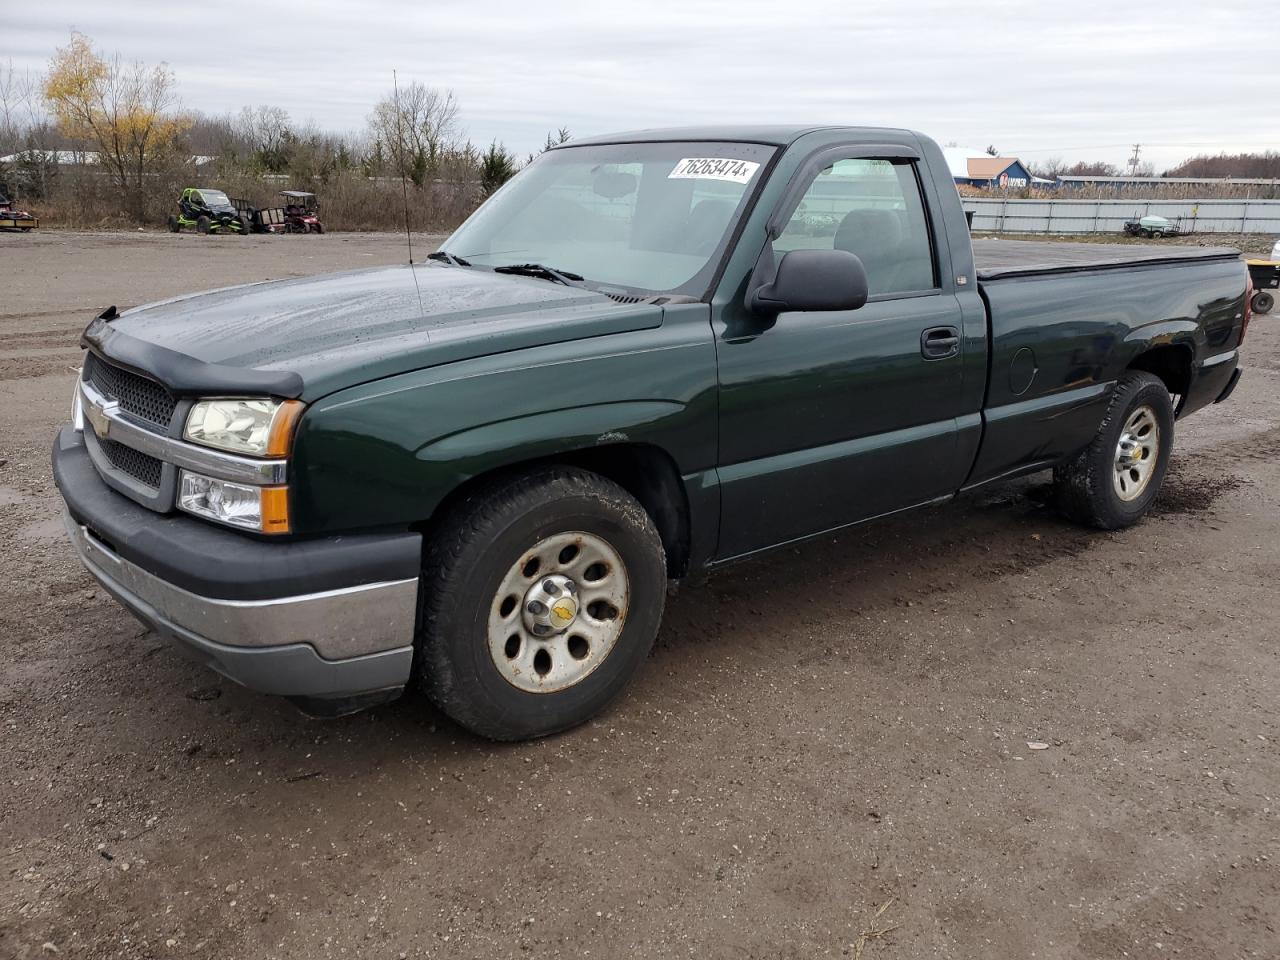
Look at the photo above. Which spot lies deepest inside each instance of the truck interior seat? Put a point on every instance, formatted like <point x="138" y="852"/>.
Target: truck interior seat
<point x="874" y="237"/>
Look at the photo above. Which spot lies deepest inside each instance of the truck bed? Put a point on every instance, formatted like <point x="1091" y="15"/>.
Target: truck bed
<point x="997" y="259"/>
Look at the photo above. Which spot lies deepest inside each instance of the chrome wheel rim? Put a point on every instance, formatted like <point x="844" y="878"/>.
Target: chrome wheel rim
<point x="558" y="612"/>
<point x="1136" y="454"/>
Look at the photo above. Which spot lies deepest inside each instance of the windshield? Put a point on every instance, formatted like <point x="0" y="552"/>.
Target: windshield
<point x="215" y="198"/>
<point x="651" y="217"/>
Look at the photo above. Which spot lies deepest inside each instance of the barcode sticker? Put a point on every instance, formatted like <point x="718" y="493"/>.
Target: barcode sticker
<point x="711" y="168"/>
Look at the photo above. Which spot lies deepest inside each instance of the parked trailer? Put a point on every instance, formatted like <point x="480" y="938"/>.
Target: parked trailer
<point x="260" y="219"/>
<point x="1153" y="228"/>
<point x="11" y="219"/>
<point x="1265" y="275"/>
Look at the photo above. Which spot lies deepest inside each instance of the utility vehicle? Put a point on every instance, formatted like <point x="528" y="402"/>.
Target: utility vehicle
<point x="208" y="211"/>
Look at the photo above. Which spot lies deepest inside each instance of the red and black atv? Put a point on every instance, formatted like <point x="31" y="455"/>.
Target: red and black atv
<point x="301" y="212"/>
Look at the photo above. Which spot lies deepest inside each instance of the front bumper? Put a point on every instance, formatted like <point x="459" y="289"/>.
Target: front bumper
<point x="329" y="619"/>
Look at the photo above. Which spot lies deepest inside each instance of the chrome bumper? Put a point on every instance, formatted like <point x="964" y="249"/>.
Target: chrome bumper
<point x="335" y="644"/>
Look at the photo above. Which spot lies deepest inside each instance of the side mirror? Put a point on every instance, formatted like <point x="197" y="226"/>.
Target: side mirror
<point x="812" y="280"/>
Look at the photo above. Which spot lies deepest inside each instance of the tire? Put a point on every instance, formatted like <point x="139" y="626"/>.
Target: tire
<point x="1107" y="486"/>
<point x="1263" y="302"/>
<point x="1157" y="234"/>
<point x="173" y="224"/>
<point x="202" y="224"/>
<point x="479" y="659"/>
<point x="319" y="228"/>
<point x="244" y="226"/>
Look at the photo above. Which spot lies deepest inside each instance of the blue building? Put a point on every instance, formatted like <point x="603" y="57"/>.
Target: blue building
<point x="990" y="173"/>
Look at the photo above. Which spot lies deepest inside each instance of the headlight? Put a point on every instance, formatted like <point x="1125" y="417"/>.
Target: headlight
<point x="264" y="509"/>
<point x="255" y="427"/>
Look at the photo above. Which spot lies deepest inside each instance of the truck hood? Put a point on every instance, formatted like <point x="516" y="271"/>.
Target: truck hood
<point x="328" y="332"/>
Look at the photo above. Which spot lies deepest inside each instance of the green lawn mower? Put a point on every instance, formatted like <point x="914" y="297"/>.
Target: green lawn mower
<point x="209" y="211"/>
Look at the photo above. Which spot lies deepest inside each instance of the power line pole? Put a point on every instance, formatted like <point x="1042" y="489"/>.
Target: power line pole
<point x="1133" y="161"/>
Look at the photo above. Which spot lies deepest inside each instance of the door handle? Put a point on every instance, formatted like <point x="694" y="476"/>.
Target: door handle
<point x="939" y="343"/>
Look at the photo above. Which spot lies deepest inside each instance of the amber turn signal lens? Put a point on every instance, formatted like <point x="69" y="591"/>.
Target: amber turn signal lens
<point x="275" y="509"/>
<point x="282" y="426"/>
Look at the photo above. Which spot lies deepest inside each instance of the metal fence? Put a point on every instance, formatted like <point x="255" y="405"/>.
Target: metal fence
<point x="1109" y="216"/>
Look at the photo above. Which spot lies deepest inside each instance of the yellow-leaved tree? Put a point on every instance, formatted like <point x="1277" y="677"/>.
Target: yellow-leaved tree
<point x="128" y="112"/>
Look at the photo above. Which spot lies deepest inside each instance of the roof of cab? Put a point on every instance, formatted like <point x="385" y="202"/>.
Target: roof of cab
<point x="779" y="134"/>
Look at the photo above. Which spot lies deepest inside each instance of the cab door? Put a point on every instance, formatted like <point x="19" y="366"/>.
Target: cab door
<point x="828" y="418"/>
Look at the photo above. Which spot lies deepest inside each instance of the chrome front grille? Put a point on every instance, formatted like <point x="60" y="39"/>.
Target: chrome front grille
<point x="139" y="396"/>
<point x="125" y="451"/>
<point x="134" y="463"/>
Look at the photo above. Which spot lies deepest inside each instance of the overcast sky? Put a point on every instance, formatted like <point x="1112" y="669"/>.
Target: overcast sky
<point x="1080" y="80"/>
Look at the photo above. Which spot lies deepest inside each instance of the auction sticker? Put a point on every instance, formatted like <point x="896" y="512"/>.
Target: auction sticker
<point x="710" y="168"/>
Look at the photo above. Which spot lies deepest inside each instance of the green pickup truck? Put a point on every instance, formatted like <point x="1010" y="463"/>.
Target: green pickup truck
<point x="648" y="354"/>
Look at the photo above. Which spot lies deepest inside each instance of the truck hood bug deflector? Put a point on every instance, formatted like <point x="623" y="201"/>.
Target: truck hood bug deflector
<point x="314" y="335"/>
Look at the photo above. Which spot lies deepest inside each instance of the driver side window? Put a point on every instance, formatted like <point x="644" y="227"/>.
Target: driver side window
<point x="873" y="209"/>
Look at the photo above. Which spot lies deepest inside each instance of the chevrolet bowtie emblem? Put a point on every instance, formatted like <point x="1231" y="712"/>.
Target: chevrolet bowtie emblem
<point x="98" y="419"/>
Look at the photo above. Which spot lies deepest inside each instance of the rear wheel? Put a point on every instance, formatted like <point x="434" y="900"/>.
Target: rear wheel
<point x="1263" y="301"/>
<point x="541" y="597"/>
<point x="1113" y="481"/>
<point x="173" y="224"/>
<point x="1157" y="234"/>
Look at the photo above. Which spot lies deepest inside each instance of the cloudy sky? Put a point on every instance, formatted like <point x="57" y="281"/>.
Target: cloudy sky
<point x="1080" y="80"/>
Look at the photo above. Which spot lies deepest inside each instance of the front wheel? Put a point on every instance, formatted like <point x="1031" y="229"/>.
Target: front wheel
<point x="202" y="225"/>
<point x="1113" y="481"/>
<point x="541" y="596"/>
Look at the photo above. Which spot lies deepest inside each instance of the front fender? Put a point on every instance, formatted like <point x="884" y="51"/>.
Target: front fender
<point x="469" y="453"/>
<point x="385" y="454"/>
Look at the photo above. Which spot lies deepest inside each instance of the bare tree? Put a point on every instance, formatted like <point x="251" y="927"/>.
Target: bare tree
<point x="267" y="134"/>
<point x="418" y="125"/>
<point x="1050" y="168"/>
<point x="1092" y="168"/>
<point x="20" y="107"/>
<point x="1229" y="165"/>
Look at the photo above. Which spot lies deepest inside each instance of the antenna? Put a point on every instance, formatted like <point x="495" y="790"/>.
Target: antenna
<point x="404" y="186"/>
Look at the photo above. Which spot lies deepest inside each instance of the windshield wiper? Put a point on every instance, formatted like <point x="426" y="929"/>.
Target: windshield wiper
<point x="542" y="270"/>
<point x="445" y="257"/>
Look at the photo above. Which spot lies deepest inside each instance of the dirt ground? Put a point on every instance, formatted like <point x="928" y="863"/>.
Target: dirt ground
<point x="827" y="754"/>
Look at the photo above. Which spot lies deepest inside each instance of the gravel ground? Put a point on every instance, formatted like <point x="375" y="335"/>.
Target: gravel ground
<point x="827" y="754"/>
